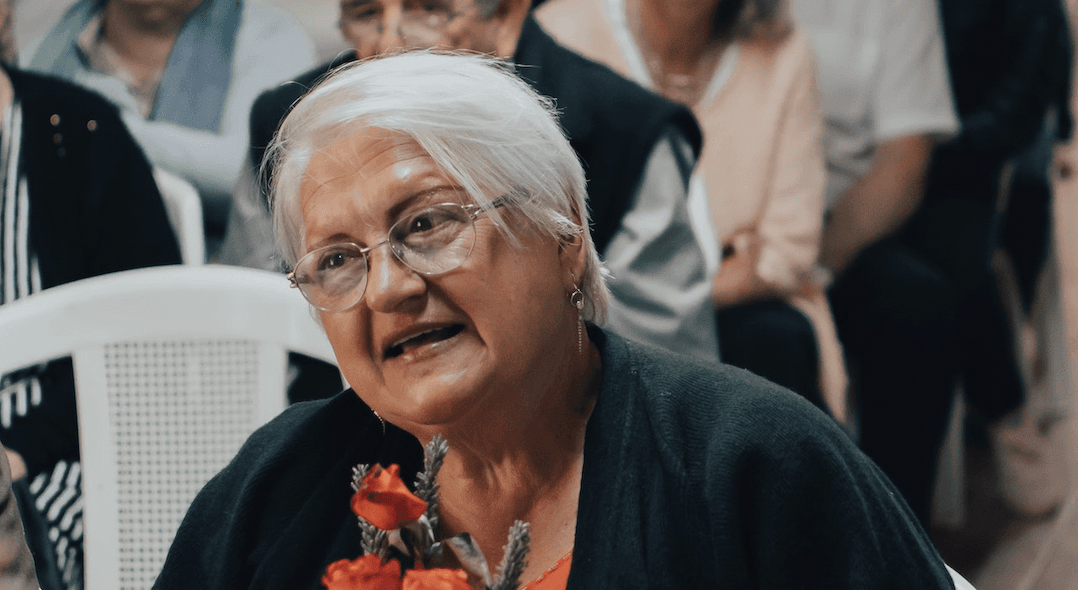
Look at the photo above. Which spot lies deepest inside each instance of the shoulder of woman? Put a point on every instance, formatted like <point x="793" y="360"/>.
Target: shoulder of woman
<point x="700" y="411"/>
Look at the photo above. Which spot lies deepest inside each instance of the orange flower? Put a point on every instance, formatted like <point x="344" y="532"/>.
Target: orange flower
<point x="366" y="573"/>
<point x="385" y="501"/>
<point x="437" y="579"/>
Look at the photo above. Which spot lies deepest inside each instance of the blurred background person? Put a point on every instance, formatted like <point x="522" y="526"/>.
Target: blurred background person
<point x="748" y="74"/>
<point x="1004" y="59"/>
<point x="78" y="200"/>
<point x="887" y="102"/>
<point x="638" y="148"/>
<point x="184" y="74"/>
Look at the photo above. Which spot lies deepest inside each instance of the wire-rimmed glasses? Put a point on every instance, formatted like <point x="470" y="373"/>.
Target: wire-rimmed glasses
<point x="431" y="241"/>
<point x="422" y="22"/>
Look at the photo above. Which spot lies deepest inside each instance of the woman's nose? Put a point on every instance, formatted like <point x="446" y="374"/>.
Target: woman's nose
<point x="390" y="283"/>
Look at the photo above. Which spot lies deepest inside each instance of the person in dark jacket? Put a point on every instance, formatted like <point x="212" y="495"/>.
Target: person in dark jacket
<point x="638" y="148"/>
<point x="1004" y="59"/>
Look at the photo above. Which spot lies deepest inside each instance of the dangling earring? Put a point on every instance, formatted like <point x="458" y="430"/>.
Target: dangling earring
<point x="577" y="300"/>
<point x="380" y="419"/>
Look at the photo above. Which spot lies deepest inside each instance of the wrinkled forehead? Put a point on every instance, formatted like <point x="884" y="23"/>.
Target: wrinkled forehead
<point x="360" y="156"/>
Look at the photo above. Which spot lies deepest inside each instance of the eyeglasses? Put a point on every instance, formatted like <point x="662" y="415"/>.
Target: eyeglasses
<point x="432" y="241"/>
<point x="422" y="22"/>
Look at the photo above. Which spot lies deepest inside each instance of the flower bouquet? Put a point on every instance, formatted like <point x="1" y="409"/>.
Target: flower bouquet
<point x="399" y="537"/>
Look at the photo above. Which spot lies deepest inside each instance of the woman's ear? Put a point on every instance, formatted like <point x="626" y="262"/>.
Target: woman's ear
<point x="573" y="259"/>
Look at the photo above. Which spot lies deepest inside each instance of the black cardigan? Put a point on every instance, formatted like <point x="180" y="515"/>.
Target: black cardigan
<point x="612" y="123"/>
<point x="695" y="476"/>
<point x="96" y="206"/>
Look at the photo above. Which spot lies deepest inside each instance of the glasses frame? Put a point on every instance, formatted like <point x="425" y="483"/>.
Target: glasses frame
<point x="379" y="28"/>
<point x="472" y="210"/>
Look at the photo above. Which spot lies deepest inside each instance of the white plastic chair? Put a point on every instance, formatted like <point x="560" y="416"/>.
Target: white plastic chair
<point x="184" y="211"/>
<point x="174" y="368"/>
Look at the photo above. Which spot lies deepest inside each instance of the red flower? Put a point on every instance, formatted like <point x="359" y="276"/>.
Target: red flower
<point x="366" y="573"/>
<point x="385" y="501"/>
<point x="437" y="579"/>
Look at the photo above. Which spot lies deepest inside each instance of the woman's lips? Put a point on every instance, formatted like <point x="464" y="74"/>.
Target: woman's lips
<point x="428" y="337"/>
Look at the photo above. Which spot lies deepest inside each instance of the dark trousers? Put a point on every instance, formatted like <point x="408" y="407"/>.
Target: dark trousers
<point x="957" y="230"/>
<point x="896" y="316"/>
<point x="774" y="340"/>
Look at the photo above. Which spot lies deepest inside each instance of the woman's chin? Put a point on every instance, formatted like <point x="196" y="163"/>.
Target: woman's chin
<point x="438" y="383"/>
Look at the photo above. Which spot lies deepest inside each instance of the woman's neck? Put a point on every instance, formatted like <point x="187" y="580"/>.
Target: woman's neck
<point x="525" y="435"/>
<point x="679" y="32"/>
<point x="678" y="43"/>
<point x="143" y="36"/>
<point x="521" y="462"/>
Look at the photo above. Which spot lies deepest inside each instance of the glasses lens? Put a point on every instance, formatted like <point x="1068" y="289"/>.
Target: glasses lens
<point x="333" y="278"/>
<point x="434" y="240"/>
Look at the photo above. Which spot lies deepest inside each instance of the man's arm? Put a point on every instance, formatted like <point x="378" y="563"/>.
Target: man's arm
<point x="879" y="203"/>
<point x="661" y="286"/>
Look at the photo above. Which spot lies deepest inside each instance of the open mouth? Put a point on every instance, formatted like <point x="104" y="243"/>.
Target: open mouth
<point x="429" y="337"/>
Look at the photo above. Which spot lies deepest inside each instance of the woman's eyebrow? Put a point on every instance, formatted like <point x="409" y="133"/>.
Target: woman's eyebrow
<point x="346" y="4"/>
<point x="426" y="197"/>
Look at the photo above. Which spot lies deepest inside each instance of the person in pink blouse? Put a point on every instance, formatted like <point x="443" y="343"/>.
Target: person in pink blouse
<point x="748" y="74"/>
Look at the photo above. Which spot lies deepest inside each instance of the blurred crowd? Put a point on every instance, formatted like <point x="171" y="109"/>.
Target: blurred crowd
<point x="827" y="193"/>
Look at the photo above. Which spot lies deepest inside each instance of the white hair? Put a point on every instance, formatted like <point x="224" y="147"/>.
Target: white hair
<point x="485" y="128"/>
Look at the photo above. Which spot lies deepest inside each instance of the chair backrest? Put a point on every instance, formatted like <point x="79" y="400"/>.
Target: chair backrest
<point x="184" y="209"/>
<point x="174" y="368"/>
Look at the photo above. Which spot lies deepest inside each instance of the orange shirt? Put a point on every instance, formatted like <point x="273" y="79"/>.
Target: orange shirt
<point x="556" y="578"/>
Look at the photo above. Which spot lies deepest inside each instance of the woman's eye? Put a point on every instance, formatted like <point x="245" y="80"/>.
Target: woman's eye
<point x="420" y="224"/>
<point x="363" y="12"/>
<point x="334" y="260"/>
<point x="426" y="221"/>
<point x="429" y="7"/>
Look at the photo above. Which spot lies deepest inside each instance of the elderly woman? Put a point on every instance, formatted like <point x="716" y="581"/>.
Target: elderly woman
<point x="434" y="215"/>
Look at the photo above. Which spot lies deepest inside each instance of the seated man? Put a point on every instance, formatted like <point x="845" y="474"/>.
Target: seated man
<point x="638" y="149"/>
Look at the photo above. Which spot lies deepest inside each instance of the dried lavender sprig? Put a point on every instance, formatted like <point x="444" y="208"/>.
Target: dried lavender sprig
<point x="374" y="541"/>
<point x="514" y="560"/>
<point x="358" y="473"/>
<point x="426" y="483"/>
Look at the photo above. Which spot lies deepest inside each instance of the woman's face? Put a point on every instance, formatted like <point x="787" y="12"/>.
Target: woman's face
<point x="427" y="350"/>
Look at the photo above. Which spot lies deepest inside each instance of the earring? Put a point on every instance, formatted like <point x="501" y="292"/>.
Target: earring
<point x="576" y="298"/>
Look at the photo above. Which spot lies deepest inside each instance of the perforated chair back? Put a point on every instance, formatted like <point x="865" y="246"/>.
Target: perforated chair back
<point x="174" y="368"/>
